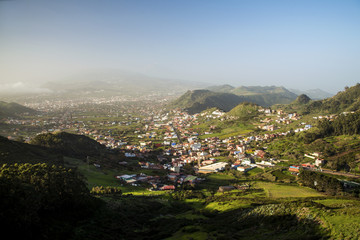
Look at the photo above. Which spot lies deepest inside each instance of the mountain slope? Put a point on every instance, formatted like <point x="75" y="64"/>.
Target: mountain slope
<point x="347" y="100"/>
<point x="302" y="99"/>
<point x="260" y="90"/>
<point x="344" y="101"/>
<point x="17" y="152"/>
<point x="198" y="100"/>
<point x="13" y="109"/>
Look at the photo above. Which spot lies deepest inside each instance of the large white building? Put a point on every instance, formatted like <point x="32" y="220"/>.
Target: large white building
<point x="216" y="167"/>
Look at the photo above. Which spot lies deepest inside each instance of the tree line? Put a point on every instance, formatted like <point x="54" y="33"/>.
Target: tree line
<point x="321" y="182"/>
<point x="344" y="124"/>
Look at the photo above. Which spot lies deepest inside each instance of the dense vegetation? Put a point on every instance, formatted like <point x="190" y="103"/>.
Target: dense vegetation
<point x="344" y="124"/>
<point x="41" y="201"/>
<point x="348" y="100"/>
<point x="321" y="182"/>
<point x="302" y="99"/>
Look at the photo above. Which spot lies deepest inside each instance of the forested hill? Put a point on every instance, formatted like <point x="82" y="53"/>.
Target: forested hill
<point x="40" y="197"/>
<point x="13" y="109"/>
<point x="68" y="144"/>
<point x="344" y="101"/>
<point x="244" y="111"/>
<point x="347" y="100"/>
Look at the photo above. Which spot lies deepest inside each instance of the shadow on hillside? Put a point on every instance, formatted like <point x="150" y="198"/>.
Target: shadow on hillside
<point x="264" y="224"/>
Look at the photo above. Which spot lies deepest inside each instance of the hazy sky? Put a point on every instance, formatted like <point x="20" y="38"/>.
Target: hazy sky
<point x="298" y="44"/>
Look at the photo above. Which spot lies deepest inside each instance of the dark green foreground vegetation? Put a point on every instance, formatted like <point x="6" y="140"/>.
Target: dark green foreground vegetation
<point x="43" y="201"/>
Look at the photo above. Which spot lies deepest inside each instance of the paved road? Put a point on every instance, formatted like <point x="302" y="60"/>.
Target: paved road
<point x="335" y="173"/>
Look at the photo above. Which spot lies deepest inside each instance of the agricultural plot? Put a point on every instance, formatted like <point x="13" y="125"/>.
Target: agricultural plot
<point x="276" y="190"/>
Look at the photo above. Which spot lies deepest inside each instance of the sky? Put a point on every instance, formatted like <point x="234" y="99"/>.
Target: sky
<point x="302" y="44"/>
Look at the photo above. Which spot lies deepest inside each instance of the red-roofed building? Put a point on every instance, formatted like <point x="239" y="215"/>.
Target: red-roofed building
<point x="294" y="168"/>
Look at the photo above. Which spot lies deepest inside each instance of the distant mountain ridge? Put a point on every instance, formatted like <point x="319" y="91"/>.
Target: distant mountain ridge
<point x="196" y="101"/>
<point x="262" y="95"/>
<point x="252" y="90"/>
<point x="111" y="83"/>
<point x="226" y="88"/>
<point x="226" y="97"/>
<point x="315" y="94"/>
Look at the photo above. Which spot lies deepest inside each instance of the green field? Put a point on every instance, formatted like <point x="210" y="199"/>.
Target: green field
<point x="254" y="171"/>
<point x="214" y="181"/>
<point x="224" y="129"/>
<point x="277" y="190"/>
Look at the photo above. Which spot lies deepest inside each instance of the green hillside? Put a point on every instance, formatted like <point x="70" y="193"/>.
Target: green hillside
<point x="244" y="111"/>
<point x="198" y="100"/>
<point x="302" y="99"/>
<point x="68" y="144"/>
<point x="347" y="100"/>
<point x="226" y="88"/>
<point x="344" y="101"/>
<point x="256" y="90"/>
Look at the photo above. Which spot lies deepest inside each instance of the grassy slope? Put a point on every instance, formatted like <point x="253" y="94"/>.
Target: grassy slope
<point x="224" y="129"/>
<point x="341" y="217"/>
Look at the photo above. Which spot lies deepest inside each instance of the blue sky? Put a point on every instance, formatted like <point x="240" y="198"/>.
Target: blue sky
<point x="296" y="44"/>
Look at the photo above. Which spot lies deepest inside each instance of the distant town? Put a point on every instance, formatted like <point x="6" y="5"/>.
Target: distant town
<point x="139" y="129"/>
